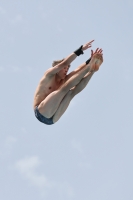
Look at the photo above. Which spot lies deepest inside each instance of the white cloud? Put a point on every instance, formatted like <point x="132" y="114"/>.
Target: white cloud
<point x="27" y="167"/>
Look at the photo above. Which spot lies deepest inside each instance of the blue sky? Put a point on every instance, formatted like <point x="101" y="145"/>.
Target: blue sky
<point x="87" y="154"/>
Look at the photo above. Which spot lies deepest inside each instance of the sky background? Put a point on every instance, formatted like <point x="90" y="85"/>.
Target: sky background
<point x="88" y="153"/>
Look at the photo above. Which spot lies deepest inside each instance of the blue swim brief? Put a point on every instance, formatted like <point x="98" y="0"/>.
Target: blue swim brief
<point x="41" y="118"/>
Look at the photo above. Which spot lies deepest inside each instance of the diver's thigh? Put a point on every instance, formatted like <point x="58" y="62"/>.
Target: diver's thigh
<point x="51" y="103"/>
<point x="63" y="106"/>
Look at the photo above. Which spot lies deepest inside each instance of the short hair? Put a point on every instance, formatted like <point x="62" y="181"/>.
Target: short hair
<point x="56" y="62"/>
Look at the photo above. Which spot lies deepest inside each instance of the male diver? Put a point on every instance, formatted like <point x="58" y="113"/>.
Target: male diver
<point x="56" y="88"/>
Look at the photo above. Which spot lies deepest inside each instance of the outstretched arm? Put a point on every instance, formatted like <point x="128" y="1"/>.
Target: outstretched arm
<point x="67" y="61"/>
<point x="83" y="65"/>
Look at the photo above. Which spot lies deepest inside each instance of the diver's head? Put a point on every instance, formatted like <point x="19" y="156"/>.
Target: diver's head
<point x="63" y="72"/>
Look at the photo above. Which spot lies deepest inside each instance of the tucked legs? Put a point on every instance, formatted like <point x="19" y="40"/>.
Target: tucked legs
<point x="56" y="100"/>
<point x="69" y="96"/>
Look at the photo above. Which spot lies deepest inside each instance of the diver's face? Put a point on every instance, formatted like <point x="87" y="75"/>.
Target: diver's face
<point x="63" y="72"/>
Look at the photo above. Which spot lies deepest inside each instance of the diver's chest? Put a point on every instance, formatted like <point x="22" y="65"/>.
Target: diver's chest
<point x="52" y="86"/>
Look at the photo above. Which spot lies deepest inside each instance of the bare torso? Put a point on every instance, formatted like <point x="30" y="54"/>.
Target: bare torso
<point x="46" y="86"/>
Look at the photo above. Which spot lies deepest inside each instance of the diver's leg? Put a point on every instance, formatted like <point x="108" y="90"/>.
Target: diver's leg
<point x="82" y="84"/>
<point x="69" y="96"/>
<point x="50" y="104"/>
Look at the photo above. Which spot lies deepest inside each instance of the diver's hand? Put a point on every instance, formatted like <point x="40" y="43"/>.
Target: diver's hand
<point x="87" y="45"/>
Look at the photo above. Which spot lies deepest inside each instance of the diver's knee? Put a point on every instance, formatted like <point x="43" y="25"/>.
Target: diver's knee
<point x="73" y="92"/>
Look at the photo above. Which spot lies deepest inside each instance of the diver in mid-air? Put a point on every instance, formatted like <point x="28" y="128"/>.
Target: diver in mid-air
<point x="56" y="89"/>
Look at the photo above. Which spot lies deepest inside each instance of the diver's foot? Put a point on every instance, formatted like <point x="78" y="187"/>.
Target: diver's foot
<point x="96" y="61"/>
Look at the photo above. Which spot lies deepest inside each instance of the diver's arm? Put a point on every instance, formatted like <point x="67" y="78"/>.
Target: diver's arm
<point x="84" y="64"/>
<point x="67" y="61"/>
